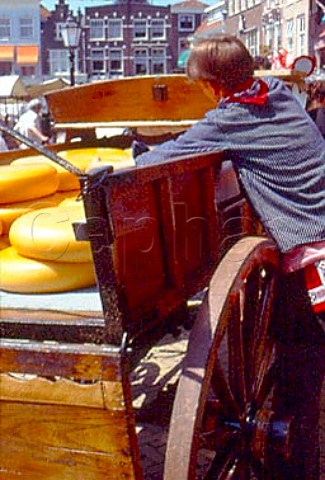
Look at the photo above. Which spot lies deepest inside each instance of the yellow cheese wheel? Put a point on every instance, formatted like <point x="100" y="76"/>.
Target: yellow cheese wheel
<point x="67" y="180"/>
<point x="47" y="234"/>
<point x="26" y="182"/>
<point x="83" y="157"/>
<point x="10" y="211"/>
<point x="25" y="275"/>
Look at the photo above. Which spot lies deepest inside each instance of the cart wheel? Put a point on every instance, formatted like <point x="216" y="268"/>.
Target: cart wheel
<point x="222" y="425"/>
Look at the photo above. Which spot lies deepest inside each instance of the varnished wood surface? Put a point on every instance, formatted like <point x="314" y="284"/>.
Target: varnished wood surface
<point x="82" y="362"/>
<point x="66" y="413"/>
<point x="65" y="442"/>
<point x="130" y="99"/>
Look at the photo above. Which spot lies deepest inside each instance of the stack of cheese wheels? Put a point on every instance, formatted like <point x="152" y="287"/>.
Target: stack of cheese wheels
<point x="83" y="158"/>
<point x="67" y="180"/>
<point x="45" y="253"/>
<point x="41" y="254"/>
<point x="9" y="212"/>
<point x="19" y="183"/>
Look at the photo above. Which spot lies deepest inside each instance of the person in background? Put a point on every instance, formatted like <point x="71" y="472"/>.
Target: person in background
<point x="278" y="154"/>
<point x="3" y="144"/>
<point x="29" y="123"/>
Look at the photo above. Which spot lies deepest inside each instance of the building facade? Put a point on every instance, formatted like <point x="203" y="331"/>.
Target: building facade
<point x="275" y="31"/>
<point x="20" y="38"/>
<point x="124" y="38"/>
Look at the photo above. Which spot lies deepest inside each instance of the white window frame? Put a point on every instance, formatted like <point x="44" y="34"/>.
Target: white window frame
<point x="231" y="7"/>
<point x="186" y="18"/>
<point x="301" y="34"/>
<point x="140" y="29"/>
<point x="115" y="24"/>
<point x="158" y="57"/>
<point x="158" y="25"/>
<point x="26" y="28"/>
<point x="252" y="41"/>
<point x="290" y="34"/>
<point x="58" y="30"/>
<point x="59" y="61"/>
<point x="141" y="57"/>
<point x="96" y="29"/>
<point x="5" y="28"/>
<point x="97" y="55"/>
<point x="115" y="71"/>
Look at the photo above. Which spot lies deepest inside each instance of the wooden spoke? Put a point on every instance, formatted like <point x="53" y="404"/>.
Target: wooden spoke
<point x="217" y="430"/>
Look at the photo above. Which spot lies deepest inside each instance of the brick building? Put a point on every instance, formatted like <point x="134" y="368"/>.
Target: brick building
<point x="124" y="38"/>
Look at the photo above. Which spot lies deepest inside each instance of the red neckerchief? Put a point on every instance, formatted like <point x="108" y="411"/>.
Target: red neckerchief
<point x="253" y="91"/>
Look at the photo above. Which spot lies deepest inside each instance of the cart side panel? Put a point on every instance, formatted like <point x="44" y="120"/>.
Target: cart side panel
<point x="159" y="231"/>
<point x="76" y="424"/>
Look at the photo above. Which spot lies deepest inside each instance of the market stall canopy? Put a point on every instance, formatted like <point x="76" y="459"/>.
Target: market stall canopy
<point x="40" y="89"/>
<point x="182" y="59"/>
<point x="12" y="86"/>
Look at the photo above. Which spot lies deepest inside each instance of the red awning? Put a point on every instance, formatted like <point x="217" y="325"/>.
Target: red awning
<point x="27" y="54"/>
<point x="6" y="53"/>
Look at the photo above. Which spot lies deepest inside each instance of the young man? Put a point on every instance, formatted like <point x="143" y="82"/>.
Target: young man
<point x="279" y="156"/>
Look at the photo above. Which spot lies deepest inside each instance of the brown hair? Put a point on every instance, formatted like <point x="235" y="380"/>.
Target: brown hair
<point x="223" y="59"/>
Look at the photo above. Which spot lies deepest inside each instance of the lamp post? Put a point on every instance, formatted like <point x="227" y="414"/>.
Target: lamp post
<point x="71" y="35"/>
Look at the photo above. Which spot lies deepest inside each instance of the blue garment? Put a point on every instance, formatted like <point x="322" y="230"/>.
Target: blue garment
<point x="279" y="155"/>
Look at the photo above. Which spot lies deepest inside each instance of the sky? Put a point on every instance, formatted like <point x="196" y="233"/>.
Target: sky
<point x="75" y="4"/>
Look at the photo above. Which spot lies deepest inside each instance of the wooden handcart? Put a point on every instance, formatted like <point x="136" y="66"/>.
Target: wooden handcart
<point x="159" y="235"/>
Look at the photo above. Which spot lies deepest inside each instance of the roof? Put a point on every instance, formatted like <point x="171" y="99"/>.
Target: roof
<point x="45" y="13"/>
<point x="190" y="3"/>
<point x="12" y="86"/>
<point x="208" y="27"/>
<point x="48" y="86"/>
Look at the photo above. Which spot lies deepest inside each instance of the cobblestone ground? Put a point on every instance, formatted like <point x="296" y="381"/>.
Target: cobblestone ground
<point x="154" y="382"/>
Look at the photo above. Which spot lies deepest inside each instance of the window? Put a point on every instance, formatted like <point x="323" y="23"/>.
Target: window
<point x="26" y="28"/>
<point x="231" y="7"/>
<point x="115" y="62"/>
<point x="58" y="30"/>
<point x="158" y="60"/>
<point x="251" y="42"/>
<point x="96" y="29"/>
<point x="277" y="35"/>
<point x="59" y="62"/>
<point x="289" y="34"/>
<point x="115" y="29"/>
<point x="27" y="71"/>
<point x="186" y="23"/>
<point x="5" y="28"/>
<point x="140" y="29"/>
<point x="301" y="34"/>
<point x="157" y="29"/>
<point x="97" y="60"/>
<point x="183" y="44"/>
<point x="141" y="61"/>
<point x="243" y="5"/>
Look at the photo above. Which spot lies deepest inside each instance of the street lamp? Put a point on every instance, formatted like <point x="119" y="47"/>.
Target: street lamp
<point x="70" y="32"/>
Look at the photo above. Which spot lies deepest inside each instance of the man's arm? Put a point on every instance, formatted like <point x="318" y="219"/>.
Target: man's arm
<point x="204" y="136"/>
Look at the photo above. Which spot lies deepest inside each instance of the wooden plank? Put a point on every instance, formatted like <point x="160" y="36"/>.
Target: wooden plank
<point x="65" y="442"/>
<point x="130" y="99"/>
<point x="60" y="391"/>
<point x="70" y="417"/>
<point x="87" y="362"/>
